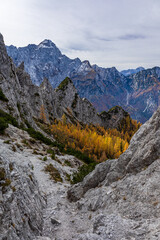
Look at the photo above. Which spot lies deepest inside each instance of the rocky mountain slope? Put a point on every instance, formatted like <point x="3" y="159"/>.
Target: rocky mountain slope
<point x="21" y="202"/>
<point x="30" y="200"/>
<point x="44" y="61"/>
<point x="145" y="94"/>
<point x="25" y="100"/>
<point x="103" y="87"/>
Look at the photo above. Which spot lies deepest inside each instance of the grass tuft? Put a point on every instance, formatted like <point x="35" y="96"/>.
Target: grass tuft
<point x="54" y="173"/>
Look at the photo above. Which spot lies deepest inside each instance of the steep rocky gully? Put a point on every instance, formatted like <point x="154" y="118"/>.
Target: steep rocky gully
<point x="119" y="200"/>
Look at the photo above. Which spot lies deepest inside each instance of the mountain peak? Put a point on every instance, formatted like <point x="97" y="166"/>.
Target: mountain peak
<point x="1" y="37"/>
<point x="21" y="66"/>
<point x="64" y="84"/>
<point x="85" y="66"/>
<point x="46" y="85"/>
<point x="4" y="59"/>
<point x="46" y="44"/>
<point x="114" y="69"/>
<point x="140" y="68"/>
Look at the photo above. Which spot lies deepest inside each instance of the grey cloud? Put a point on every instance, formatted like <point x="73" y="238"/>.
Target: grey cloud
<point x="131" y="37"/>
<point x="104" y="39"/>
<point x="79" y="47"/>
<point x="121" y="33"/>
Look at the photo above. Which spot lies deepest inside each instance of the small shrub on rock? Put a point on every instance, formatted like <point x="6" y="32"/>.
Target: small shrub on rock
<point x="2" y="96"/>
<point x="82" y="172"/>
<point x="8" y="118"/>
<point x="54" y="173"/>
<point x="3" y="125"/>
<point x="45" y="159"/>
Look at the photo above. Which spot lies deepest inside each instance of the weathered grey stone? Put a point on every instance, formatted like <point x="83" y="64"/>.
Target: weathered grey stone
<point x="42" y="238"/>
<point x="116" y="227"/>
<point x="88" y="236"/>
<point x="55" y="222"/>
<point x="90" y="181"/>
<point x="21" y="202"/>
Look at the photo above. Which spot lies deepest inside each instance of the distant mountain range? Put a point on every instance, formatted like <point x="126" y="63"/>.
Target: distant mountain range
<point x="29" y="103"/>
<point x="138" y="93"/>
<point x="132" y="71"/>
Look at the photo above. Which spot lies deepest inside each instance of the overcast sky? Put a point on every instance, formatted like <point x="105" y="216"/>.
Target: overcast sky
<point x="120" y="33"/>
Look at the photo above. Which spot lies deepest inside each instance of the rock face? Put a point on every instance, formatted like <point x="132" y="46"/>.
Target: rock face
<point x="21" y="203"/>
<point x="115" y="118"/>
<point x="76" y="108"/>
<point x="145" y="91"/>
<point x="44" y="61"/>
<point x="122" y="195"/>
<point x="143" y="150"/>
<point x="18" y="88"/>
<point x="102" y="86"/>
<point x="137" y="91"/>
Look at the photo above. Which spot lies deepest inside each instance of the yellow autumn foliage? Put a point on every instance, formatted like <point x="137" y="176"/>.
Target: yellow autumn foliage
<point x="96" y="142"/>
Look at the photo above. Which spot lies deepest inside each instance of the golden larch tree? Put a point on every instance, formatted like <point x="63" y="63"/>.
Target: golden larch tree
<point x="42" y="114"/>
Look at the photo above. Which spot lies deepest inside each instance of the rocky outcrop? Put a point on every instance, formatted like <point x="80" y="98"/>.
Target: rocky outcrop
<point x="19" y="90"/>
<point x="21" y="203"/>
<point x="116" y="117"/>
<point x="75" y="108"/>
<point x="144" y="149"/>
<point x="123" y="201"/>
<point x="90" y="181"/>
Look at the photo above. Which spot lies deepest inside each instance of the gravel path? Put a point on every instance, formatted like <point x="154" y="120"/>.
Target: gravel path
<point x="70" y="220"/>
<point x="58" y="207"/>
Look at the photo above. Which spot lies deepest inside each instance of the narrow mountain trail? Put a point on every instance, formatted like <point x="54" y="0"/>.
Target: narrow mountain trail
<point x="60" y="216"/>
<point x="62" y="220"/>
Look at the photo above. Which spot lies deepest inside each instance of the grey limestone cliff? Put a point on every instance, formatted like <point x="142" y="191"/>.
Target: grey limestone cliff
<point x="21" y="203"/>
